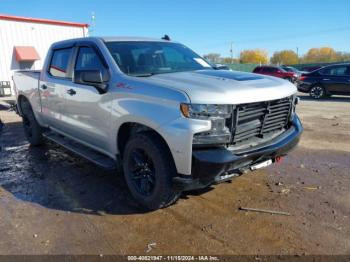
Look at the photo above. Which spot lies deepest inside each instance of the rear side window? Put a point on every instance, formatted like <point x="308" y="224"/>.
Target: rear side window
<point x="59" y="62"/>
<point x="268" y="69"/>
<point x="336" y="71"/>
<point x="88" y="60"/>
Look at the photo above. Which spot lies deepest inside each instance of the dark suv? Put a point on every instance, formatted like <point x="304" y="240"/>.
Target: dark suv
<point x="326" y="81"/>
<point x="277" y="72"/>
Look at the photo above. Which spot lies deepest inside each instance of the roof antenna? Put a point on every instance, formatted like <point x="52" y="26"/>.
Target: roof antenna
<point x="166" y="37"/>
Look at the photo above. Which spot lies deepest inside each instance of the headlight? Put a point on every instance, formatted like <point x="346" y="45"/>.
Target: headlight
<point x="217" y="114"/>
<point x="295" y="101"/>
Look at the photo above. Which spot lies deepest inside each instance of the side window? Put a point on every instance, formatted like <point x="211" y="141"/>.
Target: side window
<point x="59" y="62"/>
<point x="340" y="71"/>
<point x="88" y="60"/>
<point x="336" y="71"/>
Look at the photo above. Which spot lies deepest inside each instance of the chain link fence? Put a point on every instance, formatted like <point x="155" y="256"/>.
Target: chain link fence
<point x="242" y="67"/>
<point x="250" y="67"/>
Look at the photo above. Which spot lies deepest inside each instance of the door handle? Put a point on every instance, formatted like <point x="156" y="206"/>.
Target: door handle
<point x="44" y="87"/>
<point x="326" y="79"/>
<point x="71" y="92"/>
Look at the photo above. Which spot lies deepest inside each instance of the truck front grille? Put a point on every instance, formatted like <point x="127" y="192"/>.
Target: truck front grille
<point x="256" y="120"/>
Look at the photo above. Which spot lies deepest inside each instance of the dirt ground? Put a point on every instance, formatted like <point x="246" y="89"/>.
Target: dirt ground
<point x="53" y="202"/>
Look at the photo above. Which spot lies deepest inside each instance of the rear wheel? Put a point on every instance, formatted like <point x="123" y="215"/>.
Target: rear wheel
<point x="148" y="170"/>
<point x="317" y="92"/>
<point x="32" y="129"/>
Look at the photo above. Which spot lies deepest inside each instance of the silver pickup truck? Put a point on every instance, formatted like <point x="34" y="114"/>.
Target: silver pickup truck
<point x="158" y="112"/>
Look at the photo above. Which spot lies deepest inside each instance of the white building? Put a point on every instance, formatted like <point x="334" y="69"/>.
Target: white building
<point x="25" y="41"/>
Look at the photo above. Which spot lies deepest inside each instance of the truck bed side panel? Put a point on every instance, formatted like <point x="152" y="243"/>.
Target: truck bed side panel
<point x="27" y="84"/>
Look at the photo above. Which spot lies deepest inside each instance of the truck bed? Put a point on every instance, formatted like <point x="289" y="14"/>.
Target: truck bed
<point x="27" y="83"/>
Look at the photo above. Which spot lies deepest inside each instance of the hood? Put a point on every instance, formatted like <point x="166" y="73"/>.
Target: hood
<point x="225" y="87"/>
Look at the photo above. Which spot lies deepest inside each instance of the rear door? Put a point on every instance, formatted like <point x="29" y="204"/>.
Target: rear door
<point x="265" y="70"/>
<point x="53" y="86"/>
<point x="87" y="111"/>
<point x="345" y="89"/>
<point x="336" y="79"/>
<point x="272" y="71"/>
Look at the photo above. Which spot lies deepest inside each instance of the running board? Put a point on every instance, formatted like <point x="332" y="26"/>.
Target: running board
<point x="81" y="150"/>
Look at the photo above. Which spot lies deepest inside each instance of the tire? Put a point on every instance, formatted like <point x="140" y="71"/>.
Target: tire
<point x="32" y="129"/>
<point x="148" y="170"/>
<point x="317" y="92"/>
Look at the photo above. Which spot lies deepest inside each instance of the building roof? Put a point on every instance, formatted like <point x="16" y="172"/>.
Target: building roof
<point x="41" y="21"/>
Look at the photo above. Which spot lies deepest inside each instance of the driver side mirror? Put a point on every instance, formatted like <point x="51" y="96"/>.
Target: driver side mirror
<point x="96" y="78"/>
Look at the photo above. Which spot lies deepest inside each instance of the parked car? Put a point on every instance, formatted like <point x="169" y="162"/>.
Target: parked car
<point x="329" y="80"/>
<point x="293" y="69"/>
<point x="220" y="67"/>
<point x="277" y="72"/>
<point x="311" y="68"/>
<point x="157" y="110"/>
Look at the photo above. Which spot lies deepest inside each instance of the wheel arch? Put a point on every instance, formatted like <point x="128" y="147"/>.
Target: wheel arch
<point x="127" y="129"/>
<point x="20" y="103"/>
<point x="321" y="85"/>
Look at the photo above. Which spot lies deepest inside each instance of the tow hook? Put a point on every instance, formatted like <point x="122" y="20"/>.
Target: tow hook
<point x="278" y="159"/>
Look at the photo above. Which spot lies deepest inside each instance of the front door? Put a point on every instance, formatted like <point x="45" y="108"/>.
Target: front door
<point x="87" y="112"/>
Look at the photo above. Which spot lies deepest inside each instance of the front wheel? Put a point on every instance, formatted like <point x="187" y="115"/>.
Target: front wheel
<point x="317" y="92"/>
<point x="148" y="170"/>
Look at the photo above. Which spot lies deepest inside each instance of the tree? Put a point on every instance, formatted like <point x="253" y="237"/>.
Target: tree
<point x="212" y="57"/>
<point x="286" y="57"/>
<point x="254" y="56"/>
<point x="343" y="56"/>
<point x="321" y="55"/>
<point x="228" y="60"/>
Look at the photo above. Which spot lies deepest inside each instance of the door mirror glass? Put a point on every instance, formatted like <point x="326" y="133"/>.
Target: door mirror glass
<point x="96" y="78"/>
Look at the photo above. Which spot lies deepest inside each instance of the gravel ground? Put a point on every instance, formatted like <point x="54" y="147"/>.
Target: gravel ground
<point x="53" y="202"/>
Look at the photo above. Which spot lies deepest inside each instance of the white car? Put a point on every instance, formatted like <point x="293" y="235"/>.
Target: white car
<point x="159" y="111"/>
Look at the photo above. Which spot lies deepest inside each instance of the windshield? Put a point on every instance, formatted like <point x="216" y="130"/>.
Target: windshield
<point x="290" y="69"/>
<point x="287" y="69"/>
<point x="149" y="58"/>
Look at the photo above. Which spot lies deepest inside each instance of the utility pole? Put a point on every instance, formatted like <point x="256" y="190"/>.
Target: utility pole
<point x="231" y="50"/>
<point x="298" y="54"/>
<point x="92" y="27"/>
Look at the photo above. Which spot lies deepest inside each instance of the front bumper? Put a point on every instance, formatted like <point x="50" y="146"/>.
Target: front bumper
<point x="303" y="87"/>
<point x="220" y="164"/>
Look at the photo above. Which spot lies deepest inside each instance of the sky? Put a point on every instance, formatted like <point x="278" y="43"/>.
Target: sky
<point x="207" y="26"/>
